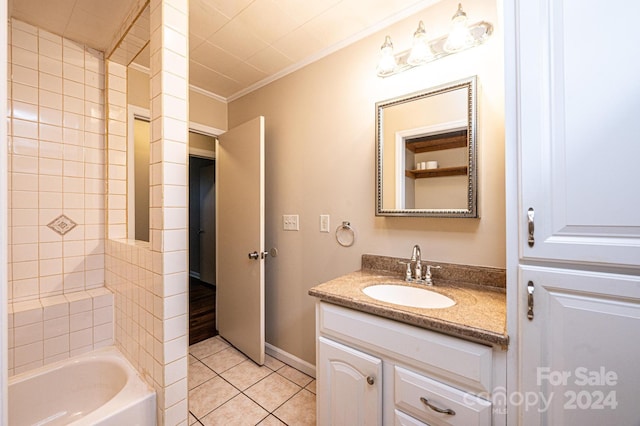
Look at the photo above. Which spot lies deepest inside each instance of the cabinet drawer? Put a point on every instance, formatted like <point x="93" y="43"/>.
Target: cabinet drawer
<point x="403" y="419"/>
<point x="467" y="364"/>
<point x="411" y="387"/>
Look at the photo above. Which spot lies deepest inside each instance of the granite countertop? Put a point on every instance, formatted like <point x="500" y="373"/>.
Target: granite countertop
<point x="479" y="313"/>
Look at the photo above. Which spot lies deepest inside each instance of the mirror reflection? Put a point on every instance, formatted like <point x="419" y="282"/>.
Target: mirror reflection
<point x="426" y="161"/>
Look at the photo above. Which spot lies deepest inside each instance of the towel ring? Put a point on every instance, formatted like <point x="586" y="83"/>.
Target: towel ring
<point x="345" y="234"/>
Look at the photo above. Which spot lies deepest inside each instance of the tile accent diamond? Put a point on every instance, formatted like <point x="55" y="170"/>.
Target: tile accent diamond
<point x="62" y="224"/>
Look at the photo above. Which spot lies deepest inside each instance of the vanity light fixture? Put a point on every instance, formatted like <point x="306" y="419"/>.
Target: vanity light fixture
<point x="387" y="63"/>
<point x="461" y="37"/>
<point x="420" y="50"/>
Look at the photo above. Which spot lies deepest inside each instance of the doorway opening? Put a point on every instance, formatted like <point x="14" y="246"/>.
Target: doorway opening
<point x="202" y="245"/>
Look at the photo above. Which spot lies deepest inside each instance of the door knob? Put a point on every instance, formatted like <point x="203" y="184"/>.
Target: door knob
<point x="254" y="255"/>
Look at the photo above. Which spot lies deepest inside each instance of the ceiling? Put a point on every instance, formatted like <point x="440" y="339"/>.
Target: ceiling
<point x="233" y="44"/>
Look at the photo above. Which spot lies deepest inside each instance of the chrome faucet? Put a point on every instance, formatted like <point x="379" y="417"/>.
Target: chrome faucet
<point x="416" y="256"/>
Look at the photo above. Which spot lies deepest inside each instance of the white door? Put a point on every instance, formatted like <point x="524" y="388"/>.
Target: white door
<point x="207" y="230"/>
<point x="240" y="238"/>
<point x="580" y="351"/>
<point x="349" y="385"/>
<point x="578" y="102"/>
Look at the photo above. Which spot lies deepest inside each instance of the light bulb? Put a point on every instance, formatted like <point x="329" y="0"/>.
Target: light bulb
<point x="459" y="37"/>
<point x="420" y="50"/>
<point x="387" y="63"/>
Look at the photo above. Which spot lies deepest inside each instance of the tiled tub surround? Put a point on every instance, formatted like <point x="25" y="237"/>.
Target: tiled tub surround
<point x="54" y="328"/>
<point x="56" y="165"/>
<point x="479" y="313"/>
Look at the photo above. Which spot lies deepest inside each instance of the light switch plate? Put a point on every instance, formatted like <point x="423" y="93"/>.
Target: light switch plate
<point x="324" y="223"/>
<point x="290" y="222"/>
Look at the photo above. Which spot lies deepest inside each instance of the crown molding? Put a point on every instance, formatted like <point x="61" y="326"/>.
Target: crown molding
<point x="334" y="48"/>
<point x="196" y="89"/>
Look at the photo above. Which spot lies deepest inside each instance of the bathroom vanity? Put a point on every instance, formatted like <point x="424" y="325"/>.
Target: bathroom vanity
<point x="382" y="363"/>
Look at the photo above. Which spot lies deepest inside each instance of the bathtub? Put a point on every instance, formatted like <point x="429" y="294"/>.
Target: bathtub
<point x="97" y="388"/>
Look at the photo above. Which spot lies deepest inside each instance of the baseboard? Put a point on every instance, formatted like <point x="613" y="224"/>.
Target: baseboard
<point x="290" y="359"/>
<point x="194" y="274"/>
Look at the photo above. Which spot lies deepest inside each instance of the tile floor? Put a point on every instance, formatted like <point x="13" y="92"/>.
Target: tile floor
<point x="227" y="388"/>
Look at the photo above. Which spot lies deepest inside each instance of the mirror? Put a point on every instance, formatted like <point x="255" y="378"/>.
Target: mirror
<point x="426" y="153"/>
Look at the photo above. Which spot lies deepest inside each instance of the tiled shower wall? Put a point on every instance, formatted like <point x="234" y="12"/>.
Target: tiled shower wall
<point x="56" y="165"/>
<point x="149" y="280"/>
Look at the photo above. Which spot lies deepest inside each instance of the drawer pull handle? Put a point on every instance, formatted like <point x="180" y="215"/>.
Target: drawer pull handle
<point x="448" y="411"/>
<point x="371" y="380"/>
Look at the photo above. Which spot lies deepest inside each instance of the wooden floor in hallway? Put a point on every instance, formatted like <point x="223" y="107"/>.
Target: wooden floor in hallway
<point x="202" y="311"/>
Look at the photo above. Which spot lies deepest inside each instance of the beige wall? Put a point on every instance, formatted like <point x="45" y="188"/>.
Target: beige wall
<point x="203" y="109"/>
<point x="141" y="138"/>
<point x="207" y="110"/>
<point x="320" y="153"/>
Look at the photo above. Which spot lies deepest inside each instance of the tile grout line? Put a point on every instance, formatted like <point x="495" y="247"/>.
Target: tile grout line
<point x="269" y="413"/>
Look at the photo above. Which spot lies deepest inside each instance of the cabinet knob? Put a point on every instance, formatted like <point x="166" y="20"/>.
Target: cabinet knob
<point x="371" y="380"/>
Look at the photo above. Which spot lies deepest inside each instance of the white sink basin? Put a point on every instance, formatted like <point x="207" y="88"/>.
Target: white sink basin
<point x="408" y="296"/>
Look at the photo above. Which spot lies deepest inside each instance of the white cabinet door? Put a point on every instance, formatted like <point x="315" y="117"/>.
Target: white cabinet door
<point x="578" y="104"/>
<point x="349" y="386"/>
<point x="580" y="352"/>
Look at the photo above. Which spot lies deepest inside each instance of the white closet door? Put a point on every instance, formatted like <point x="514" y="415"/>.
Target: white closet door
<point x="579" y="105"/>
<point x="579" y="351"/>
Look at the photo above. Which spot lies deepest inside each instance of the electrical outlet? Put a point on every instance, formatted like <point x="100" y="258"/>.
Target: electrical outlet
<point x="324" y="223"/>
<point x="290" y="222"/>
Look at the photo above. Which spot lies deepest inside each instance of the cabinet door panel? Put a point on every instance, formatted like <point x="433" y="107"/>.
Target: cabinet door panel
<point x="349" y="386"/>
<point x="578" y="151"/>
<point x="579" y="353"/>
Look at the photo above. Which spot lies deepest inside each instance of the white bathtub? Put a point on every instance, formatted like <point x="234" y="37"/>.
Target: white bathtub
<point x="97" y="388"/>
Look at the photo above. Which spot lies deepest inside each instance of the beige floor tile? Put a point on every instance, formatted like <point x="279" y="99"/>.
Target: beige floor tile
<point x="299" y="410"/>
<point x="239" y="411"/>
<point x="272" y="391"/>
<point x="193" y="420"/>
<point x="296" y="376"/>
<point x="245" y="374"/>
<point x="193" y="359"/>
<point x="224" y="360"/>
<point x="271" y="421"/>
<point x="272" y="363"/>
<point x="208" y="347"/>
<point x="198" y="374"/>
<point x="311" y="387"/>
<point x="209" y="396"/>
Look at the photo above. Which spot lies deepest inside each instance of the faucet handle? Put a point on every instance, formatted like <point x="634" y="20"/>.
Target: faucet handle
<point x="407" y="273"/>
<point x="427" y="277"/>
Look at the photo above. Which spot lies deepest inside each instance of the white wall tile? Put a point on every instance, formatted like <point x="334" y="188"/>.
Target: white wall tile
<point x="26" y="217"/>
<point x="80" y="321"/>
<point x="28" y="354"/>
<point x="24" y="75"/>
<point x="56" y="346"/>
<point x="56" y="327"/>
<point x="24" y="93"/>
<point x="27" y="334"/>
<point x="49" y="65"/>
<point x="51" y="49"/>
<point x="26" y="129"/>
<point x="23" y="39"/>
<point x="50" y="99"/>
<point x="51" y="83"/>
<point x="81" y="338"/>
